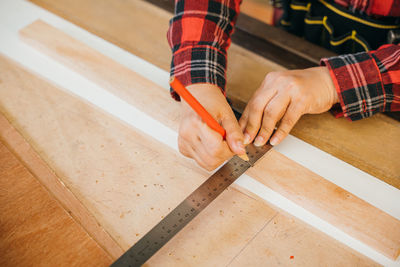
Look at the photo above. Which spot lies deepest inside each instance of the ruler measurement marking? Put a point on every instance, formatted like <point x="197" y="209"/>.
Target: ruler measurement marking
<point x="179" y="217"/>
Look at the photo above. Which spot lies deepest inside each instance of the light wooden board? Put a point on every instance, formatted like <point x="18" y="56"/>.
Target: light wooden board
<point x="144" y="34"/>
<point x="369" y="144"/>
<point x="35" y="229"/>
<point x="47" y="177"/>
<point x="258" y="253"/>
<point x="102" y="161"/>
<point x="332" y="203"/>
<point x="277" y="240"/>
<point x="258" y="9"/>
<point x="276" y="171"/>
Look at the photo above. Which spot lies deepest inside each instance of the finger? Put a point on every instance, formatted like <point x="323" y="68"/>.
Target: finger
<point x="234" y="135"/>
<point x="273" y="112"/>
<point x="244" y="118"/>
<point x="199" y="160"/>
<point x="203" y="157"/>
<point x="242" y="124"/>
<point x="292" y="115"/>
<point x="214" y="144"/>
<point x="184" y="147"/>
<point x="203" y="145"/>
<point x="209" y="161"/>
<point x="188" y="151"/>
<point x="254" y="112"/>
<point x="196" y="151"/>
<point x="189" y="140"/>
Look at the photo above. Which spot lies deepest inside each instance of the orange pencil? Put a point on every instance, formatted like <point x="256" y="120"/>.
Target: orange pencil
<point x="199" y="109"/>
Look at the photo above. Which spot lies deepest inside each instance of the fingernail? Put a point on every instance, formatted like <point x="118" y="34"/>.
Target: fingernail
<point x="240" y="146"/>
<point x="274" y="141"/>
<point x="259" y="141"/>
<point x="247" y="139"/>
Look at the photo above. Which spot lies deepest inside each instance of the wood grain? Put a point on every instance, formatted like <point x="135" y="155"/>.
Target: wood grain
<point x="102" y="162"/>
<point x="99" y="159"/>
<point x="140" y="28"/>
<point x="35" y="229"/>
<point x="258" y="9"/>
<point x="282" y="228"/>
<point x="370" y="144"/>
<point x="48" y="178"/>
<point x="333" y="204"/>
<point x="308" y="189"/>
<point x="275" y="241"/>
<point x="94" y="64"/>
<point x="123" y="177"/>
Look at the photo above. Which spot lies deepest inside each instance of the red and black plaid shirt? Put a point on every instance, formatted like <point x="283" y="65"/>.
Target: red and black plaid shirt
<point x="367" y="82"/>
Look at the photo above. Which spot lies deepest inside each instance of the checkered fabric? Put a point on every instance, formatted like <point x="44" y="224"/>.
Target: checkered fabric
<point x="367" y="82"/>
<point x="389" y="8"/>
<point x="199" y="36"/>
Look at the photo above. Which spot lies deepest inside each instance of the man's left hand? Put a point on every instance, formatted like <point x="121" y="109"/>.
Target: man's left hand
<point x="285" y="96"/>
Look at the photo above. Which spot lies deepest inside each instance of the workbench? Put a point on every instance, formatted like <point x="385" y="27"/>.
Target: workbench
<point x="92" y="159"/>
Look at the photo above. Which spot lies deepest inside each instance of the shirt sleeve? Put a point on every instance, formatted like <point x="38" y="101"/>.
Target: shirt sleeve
<point x="199" y="36"/>
<point x="366" y="82"/>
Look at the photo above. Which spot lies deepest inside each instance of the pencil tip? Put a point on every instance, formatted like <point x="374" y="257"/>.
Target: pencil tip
<point x="244" y="157"/>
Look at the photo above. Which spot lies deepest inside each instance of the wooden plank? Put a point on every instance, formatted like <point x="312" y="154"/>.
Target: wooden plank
<point x="102" y="161"/>
<point x="350" y="214"/>
<point x="333" y="204"/>
<point x="369" y="144"/>
<point x="47" y="177"/>
<point x="118" y="85"/>
<point x="101" y="164"/>
<point x="278" y="239"/>
<point x="144" y="35"/>
<point x="259" y="253"/>
<point x="35" y="229"/>
<point x="258" y="9"/>
<point x="123" y="177"/>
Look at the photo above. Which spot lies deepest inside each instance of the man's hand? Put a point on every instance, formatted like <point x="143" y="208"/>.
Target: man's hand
<point x="285" y="96"/>
<point x="198" y="141"/>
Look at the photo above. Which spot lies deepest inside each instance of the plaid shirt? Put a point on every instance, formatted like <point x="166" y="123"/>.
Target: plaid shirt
<point x="367" y="82"/>
<point x="373" y="7"/>
<point x="199" y="36"/>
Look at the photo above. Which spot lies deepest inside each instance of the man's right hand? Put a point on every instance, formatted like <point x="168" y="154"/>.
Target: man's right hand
<point x="198" y="141"/>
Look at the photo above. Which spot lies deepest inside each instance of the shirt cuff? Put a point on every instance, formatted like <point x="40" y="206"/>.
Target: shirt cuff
<point x="193" y="64"/>
<point x="358" y="83"/>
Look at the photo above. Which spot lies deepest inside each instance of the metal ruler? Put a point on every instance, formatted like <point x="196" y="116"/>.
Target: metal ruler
<point x="167" y="228"/>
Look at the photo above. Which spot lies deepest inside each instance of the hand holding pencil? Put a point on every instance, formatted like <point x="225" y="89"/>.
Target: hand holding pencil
<point x="201" y="137"/>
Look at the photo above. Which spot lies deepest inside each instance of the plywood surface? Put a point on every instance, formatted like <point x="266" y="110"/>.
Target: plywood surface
<point x="101" y="161"/>
<point x="30" y="159"/>
<point x="332" y="203"/>
<point x="35" y="229"/>
<point x="259" y="9"/>
<point x="370" y="144"/>
<point x="282" y="228"/>
<point x="275" y="242"/>
<point x="140" y="28"/>
<point x="92" y="64"/>
<point x="308" y="189"/>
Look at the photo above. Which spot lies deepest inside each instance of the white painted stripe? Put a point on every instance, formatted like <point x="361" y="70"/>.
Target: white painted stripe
<point x="361" y="184"/>
<point x="16" y="14"/>
<point x="299" y="212"/>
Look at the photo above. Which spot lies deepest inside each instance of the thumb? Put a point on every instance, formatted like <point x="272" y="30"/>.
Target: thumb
<point x="234" y="135"/>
